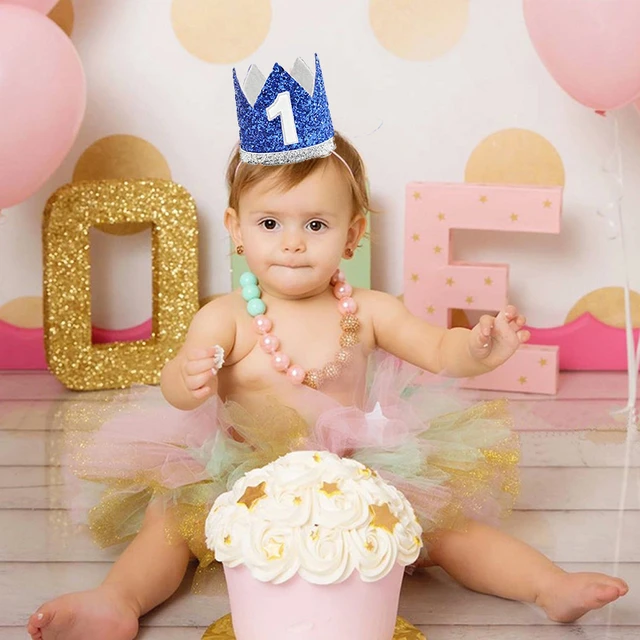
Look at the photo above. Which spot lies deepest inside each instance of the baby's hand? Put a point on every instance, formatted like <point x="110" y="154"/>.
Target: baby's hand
<point x="495" y="340"/>
<point x="199" y="369"/>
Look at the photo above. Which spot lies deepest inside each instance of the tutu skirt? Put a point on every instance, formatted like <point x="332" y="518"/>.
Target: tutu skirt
<point x="452" y="462"/>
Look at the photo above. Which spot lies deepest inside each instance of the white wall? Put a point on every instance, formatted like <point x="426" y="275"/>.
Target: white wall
<point x="412" y="120"/>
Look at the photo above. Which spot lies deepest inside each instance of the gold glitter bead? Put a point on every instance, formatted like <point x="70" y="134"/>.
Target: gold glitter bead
<point x="349" y="339"/>
<point x="331" y="371"/>
<point x="313" y="378"/>
<point x="350" y="322"/>
<point x="344" y="356"/>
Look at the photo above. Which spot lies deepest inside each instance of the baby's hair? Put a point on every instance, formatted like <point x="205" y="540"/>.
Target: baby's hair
<point x="287" y="176"/>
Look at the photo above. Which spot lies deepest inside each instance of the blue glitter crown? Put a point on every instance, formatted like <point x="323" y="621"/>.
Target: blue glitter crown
<point x="284" y="118"/>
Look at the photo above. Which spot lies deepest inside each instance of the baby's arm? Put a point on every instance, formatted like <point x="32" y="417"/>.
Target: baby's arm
<point x="454" y="352"/>
<point x="189" y="379"/>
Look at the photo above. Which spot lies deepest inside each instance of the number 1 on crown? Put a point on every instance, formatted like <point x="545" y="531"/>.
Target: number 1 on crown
<point x="282" y="107"/>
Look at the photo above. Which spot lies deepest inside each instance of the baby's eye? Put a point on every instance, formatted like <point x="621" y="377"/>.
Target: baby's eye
<point x="316" y="225"/>
<point x="269" y="224"/>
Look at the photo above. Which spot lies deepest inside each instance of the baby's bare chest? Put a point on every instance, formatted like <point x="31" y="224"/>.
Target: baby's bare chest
<point x="317" y="340"/>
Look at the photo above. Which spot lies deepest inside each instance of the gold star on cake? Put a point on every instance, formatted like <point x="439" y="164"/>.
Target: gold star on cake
<point x="330" y="489"/>
<point x="488" y="281"/>
<point x="483" y="199"/>
<point x="273" y="550"/>
<point x="522" y="379"/>
<point x="314" y="535"/>
<point x="227" y="540"/>
<point x="297" y="500"/>
<point x="450" y="282"/>
<point x="415" y="237"/>
<point x="251" y="495"/>
<point x="547" y="204"/>
<point x="542" y="362"/>
<point x="415" y="277"/>
<point x="441" y="216"/>
<point x="316" y="457"/>
<point x="382" y="518"/>
<point x="514" y="217"/>
<point x="431" y="309"/>
<point x="369" y="546"/>
<point x="469" y="299"/>
<point x="437" y="249"/>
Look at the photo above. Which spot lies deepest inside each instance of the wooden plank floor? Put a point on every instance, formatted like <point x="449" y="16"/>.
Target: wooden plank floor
<point x="574" y="450"/>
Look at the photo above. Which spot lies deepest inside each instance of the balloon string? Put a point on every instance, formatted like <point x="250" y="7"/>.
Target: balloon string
<point x="633" y="350"/>
<point x="633" y="358"/>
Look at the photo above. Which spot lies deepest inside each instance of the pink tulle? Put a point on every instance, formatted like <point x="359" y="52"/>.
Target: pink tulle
<point x="421" y="440"/>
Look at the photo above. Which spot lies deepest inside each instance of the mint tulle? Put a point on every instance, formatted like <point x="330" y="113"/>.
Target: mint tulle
<point x="452" y="462"/>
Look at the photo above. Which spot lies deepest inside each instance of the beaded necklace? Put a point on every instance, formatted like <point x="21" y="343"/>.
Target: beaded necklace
<point x="270" y="343"/>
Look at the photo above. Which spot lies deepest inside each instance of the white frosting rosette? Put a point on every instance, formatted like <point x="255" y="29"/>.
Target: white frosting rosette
<point x="313" y="514"/>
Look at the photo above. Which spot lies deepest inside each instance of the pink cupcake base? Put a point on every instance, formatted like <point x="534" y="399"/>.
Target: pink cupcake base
<point x="297" y="609"/>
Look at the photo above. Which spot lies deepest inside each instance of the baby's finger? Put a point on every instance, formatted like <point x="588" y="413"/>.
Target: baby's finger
<point x="197" y="381"/>
<point x="194" y="367"/>
<point x="510" y="312"/>
<point x="523" y="336"/>
<point x="203" y="392"/>
<point x="200" y="354"/>
<point x="486" y="324"/>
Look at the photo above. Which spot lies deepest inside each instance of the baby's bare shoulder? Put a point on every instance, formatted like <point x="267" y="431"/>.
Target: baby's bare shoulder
<point x="372" y="300"/>
<point x="225" y="303"/>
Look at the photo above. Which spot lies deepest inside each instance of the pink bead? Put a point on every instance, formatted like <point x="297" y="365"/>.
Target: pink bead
<point x="338" y="276"/>
<point x="347" y="305"/>
<point x="269" y="343"/>
<point x="262" y="324"/>
<point x="280" y="361"/>
<point x="296" y="374"/>
<point x="342" y="290"/>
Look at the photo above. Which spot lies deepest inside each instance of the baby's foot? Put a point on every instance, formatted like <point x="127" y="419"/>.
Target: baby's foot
<point x="99" y="614"/>
<point x="568" y="596"/>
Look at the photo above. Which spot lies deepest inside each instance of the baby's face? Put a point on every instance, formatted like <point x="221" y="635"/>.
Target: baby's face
<point x="293" y="240"/>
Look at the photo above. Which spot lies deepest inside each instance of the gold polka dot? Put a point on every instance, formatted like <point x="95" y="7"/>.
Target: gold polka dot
<point x="515" y="156"/>
<point x="221" y="31"/>
<point x="23" y="312"/>
<point x="121" y="157"/>
<point x="607" y="305"/>
<point x="418" y="29"/>
<point x="62" y="14"/>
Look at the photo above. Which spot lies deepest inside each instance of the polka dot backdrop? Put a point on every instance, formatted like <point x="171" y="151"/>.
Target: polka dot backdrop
<point x="433" y="90"/>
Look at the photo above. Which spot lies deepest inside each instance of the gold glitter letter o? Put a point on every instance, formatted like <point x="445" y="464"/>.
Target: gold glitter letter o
<point x="70" y="213"/>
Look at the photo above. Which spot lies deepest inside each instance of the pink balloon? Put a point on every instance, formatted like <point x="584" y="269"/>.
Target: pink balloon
<point x="43" y="6"/>
<point x="42" y="101"/>
<point x="590" y="47"/>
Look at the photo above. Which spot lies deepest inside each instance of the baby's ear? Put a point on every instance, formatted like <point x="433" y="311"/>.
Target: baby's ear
<point x="357" y="229"/>
<point x="232" y="223"/>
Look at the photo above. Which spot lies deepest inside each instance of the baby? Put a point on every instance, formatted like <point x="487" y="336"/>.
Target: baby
<point x="298" y="334"/>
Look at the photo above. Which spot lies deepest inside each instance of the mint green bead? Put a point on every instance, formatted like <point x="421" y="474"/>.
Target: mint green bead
<point x="256" y="307"/>
<point x="250" y="291"/>
<point x="248" y="278"/>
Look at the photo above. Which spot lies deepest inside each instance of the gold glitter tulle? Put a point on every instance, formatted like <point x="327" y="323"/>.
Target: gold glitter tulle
<point x="223" y="630"/>
<point x="451" y="468"/>
<point x="496" y="465"/>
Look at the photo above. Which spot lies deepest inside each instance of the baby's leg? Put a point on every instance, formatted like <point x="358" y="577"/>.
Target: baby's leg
<point x="489" y="561"/>
<point x="150" y="569"/>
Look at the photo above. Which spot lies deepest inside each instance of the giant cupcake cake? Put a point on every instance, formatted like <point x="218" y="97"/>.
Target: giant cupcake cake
<point x="314" y="547"/>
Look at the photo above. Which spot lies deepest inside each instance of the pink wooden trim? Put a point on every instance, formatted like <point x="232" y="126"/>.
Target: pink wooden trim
<point x="23" y="349"/>
<point x="586" y="344"/>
